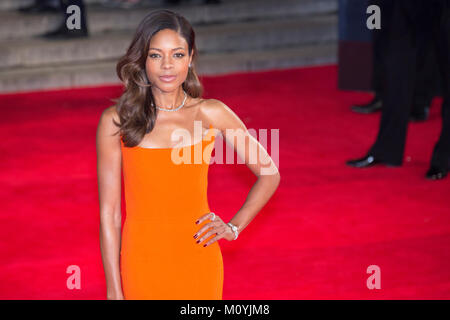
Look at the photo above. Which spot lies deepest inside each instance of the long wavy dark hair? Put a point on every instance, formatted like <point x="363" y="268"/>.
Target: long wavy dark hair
<point x="135" y="108"/>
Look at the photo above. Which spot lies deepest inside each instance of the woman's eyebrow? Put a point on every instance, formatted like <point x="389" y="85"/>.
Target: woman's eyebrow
<point x="161" y="50"/>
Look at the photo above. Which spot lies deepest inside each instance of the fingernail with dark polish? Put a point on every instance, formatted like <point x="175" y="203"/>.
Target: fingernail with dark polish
<point x="198" y="241"/>
<point x="195" y="237"/>
<point x="204" y="245"/>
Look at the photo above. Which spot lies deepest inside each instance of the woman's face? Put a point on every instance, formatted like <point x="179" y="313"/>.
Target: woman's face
<point x="167" y="56"/>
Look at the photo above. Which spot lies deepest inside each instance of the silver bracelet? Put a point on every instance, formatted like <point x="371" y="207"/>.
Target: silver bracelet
<point x="235" y="230"/>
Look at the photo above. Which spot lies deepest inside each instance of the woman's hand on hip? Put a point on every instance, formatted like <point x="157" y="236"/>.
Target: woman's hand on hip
<point x="215" y="227"/>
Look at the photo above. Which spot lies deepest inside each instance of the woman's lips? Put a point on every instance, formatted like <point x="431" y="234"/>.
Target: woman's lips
<point x="167" y="78"/>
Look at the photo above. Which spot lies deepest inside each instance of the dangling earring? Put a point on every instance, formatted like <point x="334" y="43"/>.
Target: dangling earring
<point x="189" y="65"/>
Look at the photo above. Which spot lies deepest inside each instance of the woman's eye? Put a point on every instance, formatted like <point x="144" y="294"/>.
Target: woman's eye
<point x="180" y="55"/>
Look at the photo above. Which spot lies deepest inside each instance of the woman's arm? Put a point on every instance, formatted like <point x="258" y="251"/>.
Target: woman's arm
<point x="255" y="156"/>
<point x="109" y="161"/>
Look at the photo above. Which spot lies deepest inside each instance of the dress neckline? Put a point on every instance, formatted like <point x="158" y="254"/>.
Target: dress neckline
<point x="182" y="147"/>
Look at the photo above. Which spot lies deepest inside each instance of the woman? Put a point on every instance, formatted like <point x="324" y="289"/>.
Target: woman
<point x="168" y="248"/>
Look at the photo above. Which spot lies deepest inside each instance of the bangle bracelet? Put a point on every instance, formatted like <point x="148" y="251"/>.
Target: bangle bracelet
<point x="235" y="230"/>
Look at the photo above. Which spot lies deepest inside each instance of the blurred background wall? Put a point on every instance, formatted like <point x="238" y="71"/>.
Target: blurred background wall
<point x="233" y="36"/>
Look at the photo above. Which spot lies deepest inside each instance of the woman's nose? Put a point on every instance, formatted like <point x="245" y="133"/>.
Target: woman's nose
<point x="167" y="63"/>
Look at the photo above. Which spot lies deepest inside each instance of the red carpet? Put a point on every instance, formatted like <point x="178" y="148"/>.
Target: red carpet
<point x="314" y="240"/>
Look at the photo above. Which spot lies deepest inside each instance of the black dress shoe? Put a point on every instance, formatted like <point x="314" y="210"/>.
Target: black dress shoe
<point x="373" y="106"/>
<point x="420" y="113"/>
<point x="63" y="33"/>
<point x="436" y="173"/>
<point x="364" y="162"/>
<point x="38" y="8"/>
<point x="368" y="161"/>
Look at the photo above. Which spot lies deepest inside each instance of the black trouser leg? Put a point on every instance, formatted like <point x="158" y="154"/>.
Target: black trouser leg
<point x="426" y="75"/>
<point x="379" y="38"/>
<point x="426" y="62"/>
<point x="426" y="65"/>
<point x="399" y="76"/>
<point x="441" y="152"/>
<point x="377" y="62"/>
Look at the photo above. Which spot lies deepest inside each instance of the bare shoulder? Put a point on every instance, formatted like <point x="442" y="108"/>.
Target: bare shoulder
<point x="106" y="126"/>
<point x="107" y="117"/>
<point x="220" y="115"/>
<point x="110" y="114"/>
<point x="213" y="105"/>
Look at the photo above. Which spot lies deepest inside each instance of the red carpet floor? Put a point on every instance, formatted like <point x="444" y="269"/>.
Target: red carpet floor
<point x="314" y="240"/>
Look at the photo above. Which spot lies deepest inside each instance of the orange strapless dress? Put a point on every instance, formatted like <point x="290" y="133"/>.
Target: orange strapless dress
<point x="159" y="258"/>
